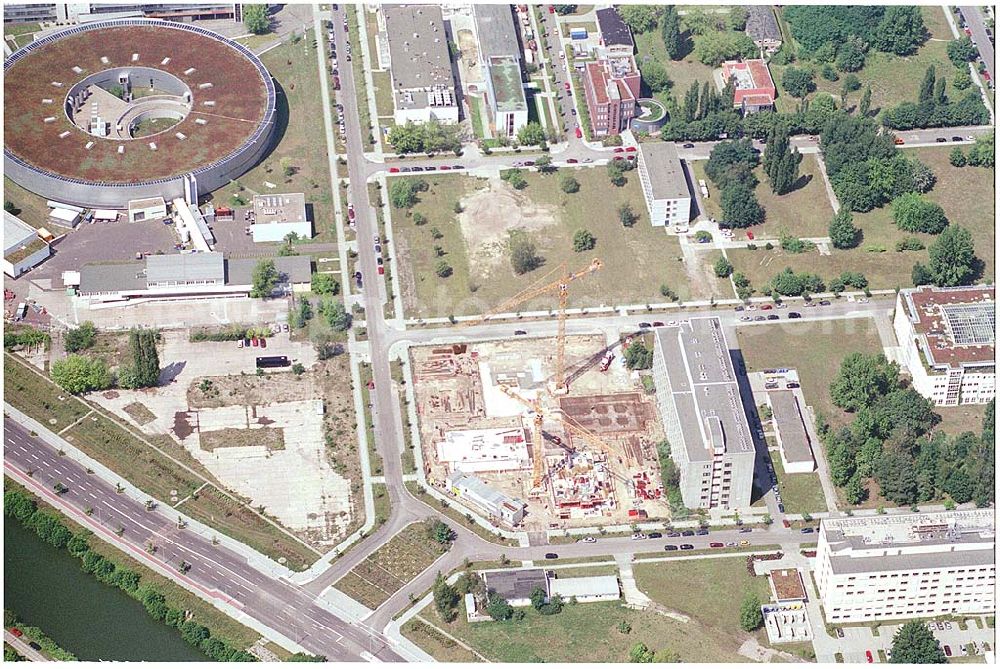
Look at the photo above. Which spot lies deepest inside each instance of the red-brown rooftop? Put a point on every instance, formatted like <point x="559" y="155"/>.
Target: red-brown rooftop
<point x="959" y="323"/>
<point x="215" y="70"/>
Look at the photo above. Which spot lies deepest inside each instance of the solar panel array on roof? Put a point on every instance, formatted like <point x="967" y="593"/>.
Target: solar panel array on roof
<point x="971" y="324"/>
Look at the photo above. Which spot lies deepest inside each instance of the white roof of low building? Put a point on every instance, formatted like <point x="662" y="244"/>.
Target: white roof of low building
<point x="64" y="214"/>
<point x="15" y="232"/>
<point x="584" y="586"/>
<point x="483" y="446"/>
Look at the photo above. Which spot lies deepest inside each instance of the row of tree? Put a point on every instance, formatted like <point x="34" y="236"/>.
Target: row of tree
<point x="78" y="373"/>
<point x="428" y="137"/>
<point x="21" y="506"/>
<point x="892" y="441"/>
<point x="934" y="109"/>
<point x="822" y="31"/>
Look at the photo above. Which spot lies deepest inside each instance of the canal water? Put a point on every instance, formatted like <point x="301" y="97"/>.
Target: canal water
<point x="45" y="587"/>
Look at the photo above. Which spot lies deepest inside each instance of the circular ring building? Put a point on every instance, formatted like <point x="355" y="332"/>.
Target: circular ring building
<point x="112" y="111"/>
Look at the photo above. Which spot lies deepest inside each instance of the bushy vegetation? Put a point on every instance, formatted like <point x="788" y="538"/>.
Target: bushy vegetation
<point x="429" y="137"/>
<point x="892" y="441"/>
<point x="952" y="260"/>
<point x="142" y="367"/>
<point x="933" y="109"/>
<point x="26" y="336"/>
<point x="914" y="213"/>
<point x="403" y="192"/>
<point x="81" y="338"/>
<point x="79" y="374"/>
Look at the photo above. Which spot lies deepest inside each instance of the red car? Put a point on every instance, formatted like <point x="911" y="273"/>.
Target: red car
<point x="566" y="85"/>
<point x="254" y="342"/>
<point x="572" y="161"/>
<point x="444" y="167"/>
<point x="263" y="342"/>
<point x="749" y="234"/>
<point x="393" y="170"/>
<point x="552" y="9"/>
<point x="579" y="133"/>
<point x="381" y="269"/>
<point x="350" y="212"/>
<point x="618" y="158"/>
<point x="16" y="632"/>
<point x="630" y="149"/>
<point x="766" y="307"/>
<point x="716" y="544"/>
<point x="869" y="656"/>
<point x="619" y="149"/>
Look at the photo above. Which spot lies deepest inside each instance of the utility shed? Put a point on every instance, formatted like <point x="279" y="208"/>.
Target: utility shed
<point x="146" y="209"/>
<point x="22" y="247"/>
<point x="586" y="588"/>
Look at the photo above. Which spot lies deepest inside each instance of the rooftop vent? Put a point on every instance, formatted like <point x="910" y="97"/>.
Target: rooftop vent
<point x="104" y="59"/>
<point x="135" y="57"/>
<point x="152" y="146"/>
<point x="165" y="60"/>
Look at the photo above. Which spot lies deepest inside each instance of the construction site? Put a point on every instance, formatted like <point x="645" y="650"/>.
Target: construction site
<point x="534" y="434"/>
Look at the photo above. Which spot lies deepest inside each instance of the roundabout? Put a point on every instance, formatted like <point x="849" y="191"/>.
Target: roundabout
<point x="103" y="113"/>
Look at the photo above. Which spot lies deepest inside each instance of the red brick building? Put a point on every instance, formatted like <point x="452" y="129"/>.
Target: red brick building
<point x="611" y="87"/>
<point x="755" y="88"/>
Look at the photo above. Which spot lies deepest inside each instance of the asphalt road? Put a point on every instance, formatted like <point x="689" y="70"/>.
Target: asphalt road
<point x="215" y="571"/>
<point x="977" y="24"/>
<point x="22" y="647"/>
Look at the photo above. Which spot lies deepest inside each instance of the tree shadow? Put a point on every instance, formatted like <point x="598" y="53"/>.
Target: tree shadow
<point x="800" y="183"/>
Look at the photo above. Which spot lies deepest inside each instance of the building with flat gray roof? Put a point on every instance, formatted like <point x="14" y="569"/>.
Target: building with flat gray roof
<point x="516" y="585"/>
<point x="914" y="565"/>
<point x="790" y="431"/>
<point x="702" y="411"/>
<point x="500" y="58"/>
<point x="22" y="247"/>
<point x="423" y="87"/>
<point x="664" y="185"/>
<point x="762" y="27"/>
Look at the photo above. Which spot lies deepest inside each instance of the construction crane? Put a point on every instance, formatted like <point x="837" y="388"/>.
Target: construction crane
<point x="545" y="286"/>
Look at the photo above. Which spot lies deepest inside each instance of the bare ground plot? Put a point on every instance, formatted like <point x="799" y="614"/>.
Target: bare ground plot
<point x="269" y="438"/>
<point x="302" y="143"/>
<point x="636" y="260"/>
<point x="139" y="412"/>
<point x="964" y="418"/>
<point x="814" y="349"/>
<point x="392" y="566"/>
<point x="583" y="633"/>
<point x="710" y="591"/>
<point x="893" y="78"/>
<point x="803" y="212"/>
<point x="699" y="260"/>
<point x="237" y="520"/>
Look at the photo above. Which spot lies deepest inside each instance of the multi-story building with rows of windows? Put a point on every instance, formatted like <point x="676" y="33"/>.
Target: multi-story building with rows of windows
<point x="946" y="340"/>
<point x="913" y="565"/>
<point x="664" y="186"/>
<point x="703" y="415"/>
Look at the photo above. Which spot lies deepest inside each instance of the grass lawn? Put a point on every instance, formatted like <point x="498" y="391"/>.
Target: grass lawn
<point x="417" y="491"/>
<point x="391" y="567"/>
<point x="439" y="646"/>
<point x="16" y="29"/>
<point x="963" y="418"/>
<point x="476" y="116"/>
<point x="33" y="209"/>
<point x="41" y="399"/>
<point x="238" y="521"/>
<point x="709" y="591"/>
<point x="801" y="493"/>
<point x="968" y="197"/>
<point x="301" y="135"/>
<point x="360" y="86"/>
<point x="221" y="625"/>
<point x="893" y="78"/>
<point x="804" y="212"/>
<point x="383" y="93"/>
<point x="583" y="633"/>
<point x="637" y="260"/>
<point x="681" y="72"/>
<point x="814" y="350"/>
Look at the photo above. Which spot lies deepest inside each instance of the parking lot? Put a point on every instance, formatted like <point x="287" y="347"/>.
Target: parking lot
<point x="857" y="642"/>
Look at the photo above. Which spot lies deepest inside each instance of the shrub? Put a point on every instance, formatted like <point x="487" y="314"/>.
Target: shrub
<point x="583" y="240"/>
<point x="914" y="213"/>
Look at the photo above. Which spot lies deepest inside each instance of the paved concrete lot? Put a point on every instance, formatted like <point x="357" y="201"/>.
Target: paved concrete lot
<point x="859" y="639"/>
<point x="104" y="242"/>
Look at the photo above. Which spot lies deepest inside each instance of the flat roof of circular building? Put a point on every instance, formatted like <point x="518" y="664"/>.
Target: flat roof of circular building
<point x="225" y="116"/>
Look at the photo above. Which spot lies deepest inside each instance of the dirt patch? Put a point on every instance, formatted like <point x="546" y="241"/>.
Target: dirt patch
<point x="182" y="425"/>
<point x="489" y="214"/>
<point x="110" y="395"/>
<point x="698" y="265"/>
<point x="139" y="412"/>
<point x="221" y="391"/>
<point x="270" y="438"/>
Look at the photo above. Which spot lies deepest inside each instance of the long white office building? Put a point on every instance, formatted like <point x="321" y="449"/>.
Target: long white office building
<point x="915" y="565"/>
<point x="664" y="186"/>
<point x="702" y="411"/>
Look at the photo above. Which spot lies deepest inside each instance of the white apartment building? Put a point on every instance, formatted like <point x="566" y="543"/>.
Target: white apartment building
<point x="664" y="185"/>
<point x="915" y="565"/>
<point x="703" y="416"/>
<point x="946" y="340"/>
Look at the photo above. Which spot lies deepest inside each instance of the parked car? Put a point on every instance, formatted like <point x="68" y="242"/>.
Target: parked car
<point x="947" y="650"/>
<point x="824" y="303"/>
<point x="393" y="170"/>
<point x="673" y="534"/>
<point x="644" y="325"/>
<point x="579" y="133"/>
<point x="630" y="149"/>
<point x="716" y="544"/>
<point x="381" y="269"/>
<point x="16" y="632"/>
<point x="956" y="138"/>
<point x="773" y="317"/>
<point x="702" y="532"/>
<point x="687" y="547"/>
<point x="868" y="653"/>
<point x="589" y="540"/>
<point x="781" y="507"/>
<point x="739" y="308"/>
<point x="551" y="556"/>
<point x="766" y="307"/>
<point x="655" y="535"/>
<point x="746" y="530"/>
<point x="687" y="533"/>
<point x="689" y="145"/>
<point x="806" y="530"/>
<point x="670" y="547"/>
<point x="572" y="161"/>
<point x="794" y="314"/>
<point x="638" y="536"/>
<point x="657" y="324"/>
<point x="744" y="542"/>
<point x="520" y="332"/>
<point x="34" y="645"/>
<point x="940" y="140"/>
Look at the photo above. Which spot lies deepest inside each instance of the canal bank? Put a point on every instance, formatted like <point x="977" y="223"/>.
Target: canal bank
<point x="45" y="586"/>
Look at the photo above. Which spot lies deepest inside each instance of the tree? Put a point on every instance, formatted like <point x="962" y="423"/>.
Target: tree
<point x="781" y="162"/>
<point x="640" y="18"/>
<point x="583" y="240"/>
<point x="740" y="208"/>
<point x="982" y="154"/>
<point x="78" y="374"/>
<point x="83" y="337"/>
<point x="962" y="51"/>
<point x="732" y="161"/>
<point x="914" y="643"/>
<point x="626" y="215"/>
<point x="750" y="616"/>
<point x="544" y="164"/>
<point x="337" y="317"/>
<point x="637" y="356"/>
<point x="851" y="54"/>
<point x="843" y="233"/>
<point x="10" y="208"/>
<point x="798" y="82"/>
<point x="961" y="81"/>
<point x="446" y="598"/>
<point x="927" y="85"/>
<point x="538" y="598"/>
<point x="901" y="30"/>
<point x="531" y="134"/>
<point x="442" y="269"/>
<point x="324" y="284"/>
<point x="616" y="172"/>
<point x="403" y="192"/>
<point x="515" y="178"/>
<point x="914" y="213"/>
<point x="957" y="157"/>
<point x="640" y="653"/>
<point x="723" y="268"/>
<point x="142" y="367"/>
<point x="670" y="30"/>
<point x="498" y="608"/>
<point x="427" y="137"/>
<point x="263" y="279"/>
<point x="952" y="258"/>
<point x="715" y="47"/>
<point x="862" y="379"/>
<point x="256" y="19"/>
<point x="523" y="254"/>
<point x="654" y="74"/>
<point x="866" y="102"/>
<point x="569" y="184"/>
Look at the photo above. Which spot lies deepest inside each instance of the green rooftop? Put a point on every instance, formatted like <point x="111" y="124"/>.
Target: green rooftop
<point x="505" y="78"/>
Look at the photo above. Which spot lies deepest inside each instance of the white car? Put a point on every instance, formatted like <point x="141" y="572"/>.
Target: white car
<point x="589" y="540"/>
<point x="638" y="535"/>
